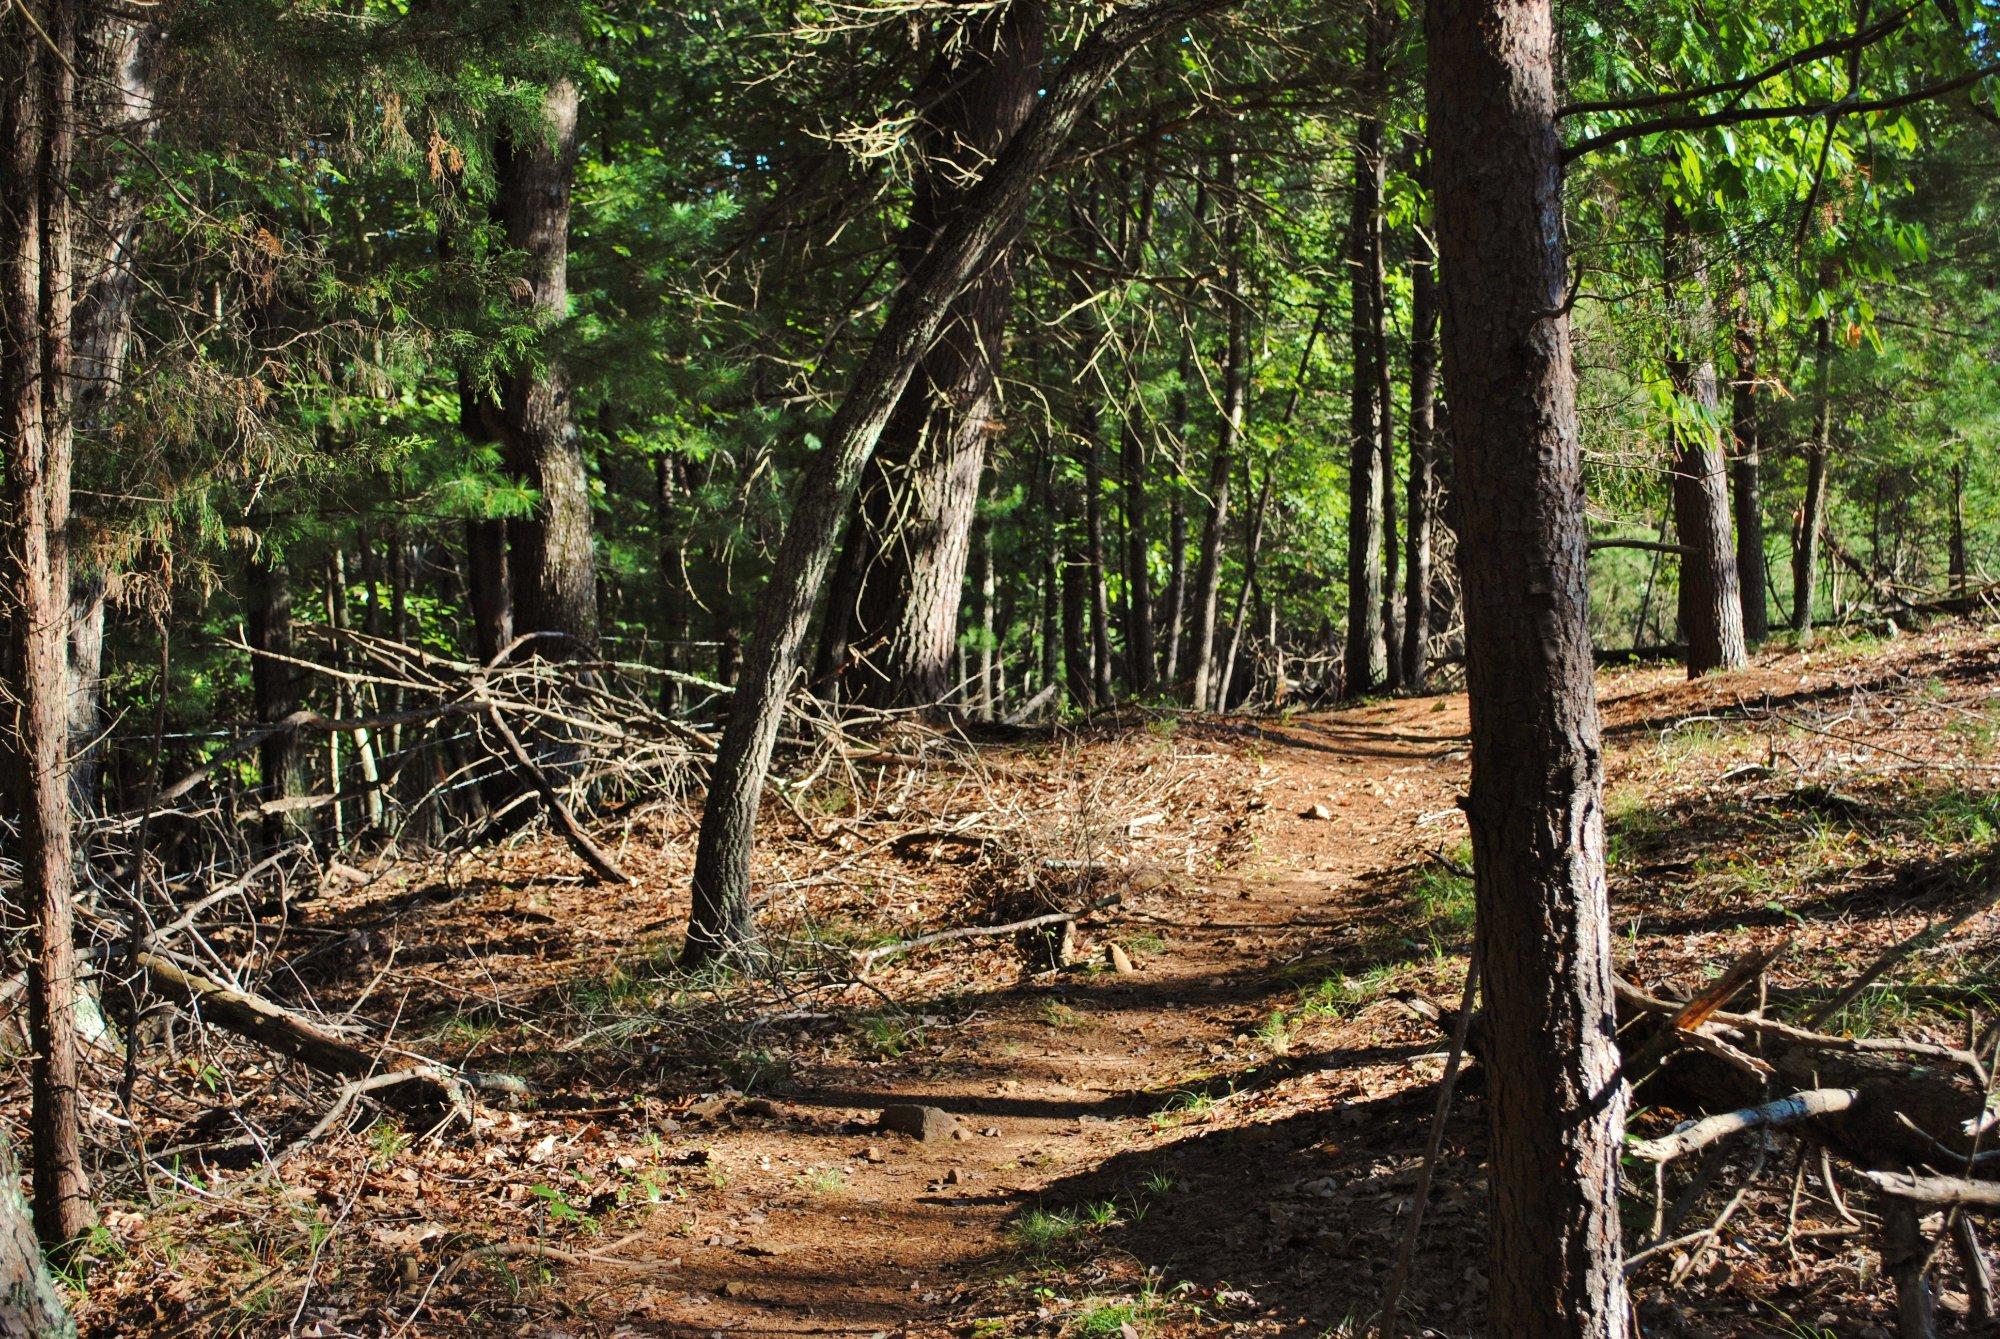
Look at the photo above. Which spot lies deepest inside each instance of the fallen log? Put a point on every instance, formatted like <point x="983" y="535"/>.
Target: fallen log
<point x="427" y="1093"/>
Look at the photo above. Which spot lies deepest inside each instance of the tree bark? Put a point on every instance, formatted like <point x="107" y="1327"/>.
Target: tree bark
<point x="31" y="1305"/>
<point x="553" y="569"/>
<point x="274" y="693"/>
<point x="1811" y="519"/>
<point x="1423" y="475"/>
<point x="1556" y="1106"/>
<point x="1177" y="531"/>
<point x="1367" y="658"/>
<point x="1253" y="543"/>
<point x="1048" y="552"/>
<point x="1711" y="603"/>
<point x="39" y="111"/>
<point x="1091" y="447"/>
<point x="1747" y="487"/>
<point x="988" y="695"/>
<point x="1139" y="652"/>
<point x="922" y="489"/>
<point x="1957" y="569"/>
<point x="720" y="921"/>
<point x="1235" y="393"/>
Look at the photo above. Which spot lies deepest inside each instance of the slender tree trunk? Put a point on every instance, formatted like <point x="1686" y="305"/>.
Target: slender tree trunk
<point x="1092" y="449"/>
<point x="552" y="566"/>
<point x="1711" y="603"/>
<point x="1555" y="1103"/>
<point x="988" y="695"/>
<point x="39" y="107"/>
<point x="1423" y="475"/>
<point x="274" y="694"/>
<point x="1235" y="393"/>
<point x="1048" y="550"/>
<point x="921" y="492"/>
<point x="1252" y="544"/>
<point x="1138" y="579"/>
<point x="1177" y="531"/>
<point x="1747" y="486"/>
<point x="720" y="920"/>
<point x="1077" y="669"/>
<point x="118" y="98"/>
<point x="1367" y="659"/>
<point x="1959" y="570"/>
<point x="1811" y="519"/>
<point x="1392" y="640"/>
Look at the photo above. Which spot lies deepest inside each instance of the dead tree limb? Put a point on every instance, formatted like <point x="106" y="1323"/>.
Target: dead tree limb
<point x="429" y="1093"/>
<point x="579" y="841"/>
<point x="1769" y="1115"/>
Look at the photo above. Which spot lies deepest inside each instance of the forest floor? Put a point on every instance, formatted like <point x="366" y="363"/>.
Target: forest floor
<point x="1222" y="1138"/>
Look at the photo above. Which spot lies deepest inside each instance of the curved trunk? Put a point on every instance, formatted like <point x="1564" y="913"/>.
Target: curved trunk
<point x="719" y="924"/>
<point x="922" y="490"/>
<point x="552" y="565"/>
<point x="1556" y="1106"/>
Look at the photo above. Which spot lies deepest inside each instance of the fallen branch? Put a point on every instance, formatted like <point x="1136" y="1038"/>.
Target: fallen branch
<point x="1943" y="1190"/>
<point x="424" y="1091"/>
<point x="579" y="841"/>
<point x="1784" y="1111"/>
<point x="867" y="958"/>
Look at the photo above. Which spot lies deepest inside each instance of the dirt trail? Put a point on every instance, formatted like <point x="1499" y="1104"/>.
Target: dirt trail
<point x="821" y="1226"/>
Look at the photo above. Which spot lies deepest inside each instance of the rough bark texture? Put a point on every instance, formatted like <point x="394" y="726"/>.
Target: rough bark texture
<point x="1235" y="393"/>
<point x="1423" y="474"/>
<point x="552" y="564"/>
<point x="1556" y="1106"/>
<point x="1367" y="658"/>
<point x="1711" y="603"/>
<point x="720" y="921"/>
<point x="1747" y="487"/>
<point x="31" y="1307"/>
<point x="38" y="126"/>
<point x="922" y="487"/>
<point x="1812" y="508"/>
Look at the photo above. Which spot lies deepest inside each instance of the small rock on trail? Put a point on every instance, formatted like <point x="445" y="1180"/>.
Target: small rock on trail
<point x="921" y="1123"/>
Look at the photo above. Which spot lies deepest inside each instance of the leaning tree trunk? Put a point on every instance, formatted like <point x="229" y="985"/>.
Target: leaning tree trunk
<point x="1711" y="604"/>
<point x="1812" y="508"/>
<point x="1423" y="475"/>
<point x="1367" y="659"/>
<point x="922" y="489"/>
<point x="1235" y="393"/>
<point x="720" y="922"/>
<point x="39" y="105"/>
<point x="553" y="570"/>
<point x="1556" y="1106"/>
<point x="1747" y="487"/>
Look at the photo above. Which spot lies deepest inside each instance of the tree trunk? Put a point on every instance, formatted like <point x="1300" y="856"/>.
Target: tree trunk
<point x="274" y="694"/>
<point x="1177" y="531"/>
<point x="1138" y="580"/>
<point x="1077" y="675"/>
<point x="1811" y="520"/>
<point x="720" y="921"/>
<point x="1958" y="569"/>
<point x="1423" y="476"/>
<point x="118" y="99"/>
<point x="988" y="695"/>
<point x="1048" y="551"/>
<point x="1711" y="604"/>
<point x="1093" y="520"/>
<point x="31" y="1306"/>
<point x="1748" y="488"/>
<point x="1556" y="1106"/>
<point x="1235" y="392"/>
<point x="921" y="492"/>
<point x="554" y="574"/>
<point x="39" y="110"/>
<point x="1252" y="543"/>
<point x="1367" y="659"/>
